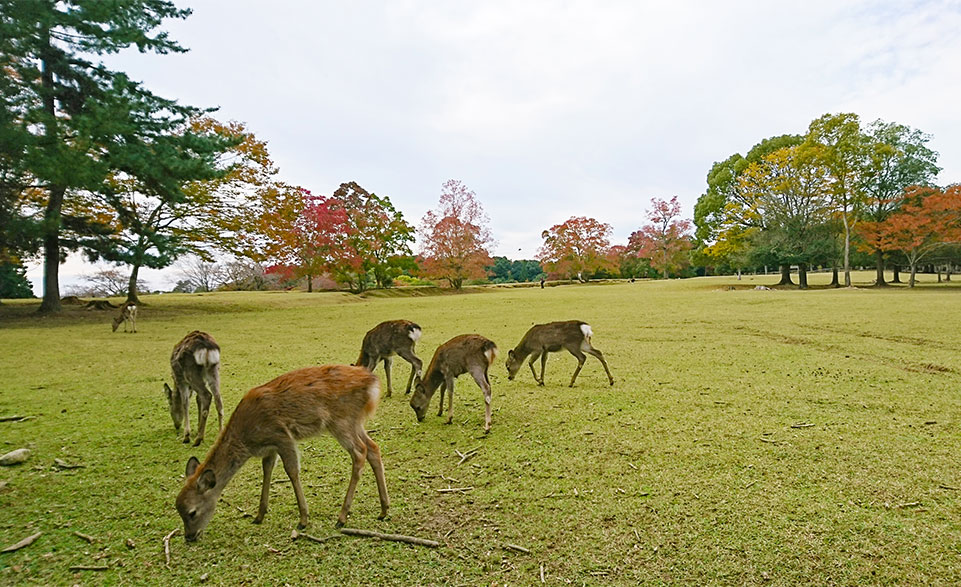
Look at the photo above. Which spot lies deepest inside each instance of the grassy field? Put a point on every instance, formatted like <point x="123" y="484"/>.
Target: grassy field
<point x="752" y="437"/>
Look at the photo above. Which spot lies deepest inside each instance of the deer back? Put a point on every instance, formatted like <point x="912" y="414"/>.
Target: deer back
<point x="386" y="339"/>
<point x="196" y="350"/>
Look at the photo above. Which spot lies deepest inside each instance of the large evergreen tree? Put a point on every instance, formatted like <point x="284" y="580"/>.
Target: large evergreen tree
<point x="72" y="115"/>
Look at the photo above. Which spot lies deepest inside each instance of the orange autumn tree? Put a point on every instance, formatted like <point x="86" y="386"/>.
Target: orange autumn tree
<point x="456" y="237"/>
<point x="929" y="218"/>
<point x="578" y="247"/>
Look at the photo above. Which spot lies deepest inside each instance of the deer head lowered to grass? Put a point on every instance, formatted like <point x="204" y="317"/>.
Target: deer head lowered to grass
<point x="573" y="335"/>
<point x="467" y="353"/>
<point x="269" y="422"/>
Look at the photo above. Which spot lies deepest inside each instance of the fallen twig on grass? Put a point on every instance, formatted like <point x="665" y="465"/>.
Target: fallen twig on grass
<point x="390" y="537"/>
<point x="86" y="537"/>
<point x="76" y="568"/>
<point x="802" y="425"/>
<point x="295" y="534"/>
<point x="167" y="544"/>
<point x="455" y="490"/>
<point x="909" y="504"/>
<point x="771" y="440"/>
<point x="25" y="542"/>
<point x="943" y="486"/>
<point x="14" y="418"/>
<point x="542" y="574"/>
<point x="465" y="456"/>
<point x="517" y="548"/>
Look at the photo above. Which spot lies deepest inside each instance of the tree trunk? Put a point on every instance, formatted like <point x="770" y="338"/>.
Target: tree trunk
<point x="802" y="275"/>
<point x="914" y="270"/>
<point x="310" y="284"/>
<point x="835" y="282"/>
<point x="132" y="286"/>
<point x="785" y="275"/>
<point x="847" y="250"/>
<point x="897" y="273"/>
<point x="879" y="260"/>
<point x="51" y="216"/>
<point x="51" y="252"/>
<point x="947" y="272"/>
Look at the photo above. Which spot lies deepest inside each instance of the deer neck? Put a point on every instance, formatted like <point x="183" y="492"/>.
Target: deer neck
<point x="227" y="456"/>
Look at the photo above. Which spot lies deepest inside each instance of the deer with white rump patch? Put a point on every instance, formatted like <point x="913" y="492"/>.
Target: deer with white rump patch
<point x="467" y="353"/>
<point x="382" y="342"/>
<point x="573" y="335"/>
<point x="128" y="313"/>
<point x="195" y="363"/>
<point x="269" y="422"/>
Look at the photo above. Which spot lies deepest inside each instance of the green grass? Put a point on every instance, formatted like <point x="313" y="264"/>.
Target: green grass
<point x="688" y="470"/>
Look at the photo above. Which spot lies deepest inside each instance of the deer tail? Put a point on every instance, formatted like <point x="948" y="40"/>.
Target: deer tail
<point x="490" y="351"/>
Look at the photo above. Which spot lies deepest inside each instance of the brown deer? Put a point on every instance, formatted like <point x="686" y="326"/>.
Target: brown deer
<point x="467" y="353"/>
<point x="128" y="313"/>
<point x="269" y="421"/>
<point x="382" y="342"/>
<point x="573" y="335"/>
<point x="195" y="363"/>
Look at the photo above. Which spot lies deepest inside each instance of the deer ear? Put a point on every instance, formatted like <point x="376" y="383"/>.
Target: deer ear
<point x="206" y="481"/>
<point x="192" y="465"/>
<point x="510" y="355"/>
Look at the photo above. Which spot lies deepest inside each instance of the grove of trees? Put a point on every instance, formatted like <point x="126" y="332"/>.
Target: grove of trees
<point x="93" y="162"/>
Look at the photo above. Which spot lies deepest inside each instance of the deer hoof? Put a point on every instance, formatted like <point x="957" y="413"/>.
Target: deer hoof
<point x="540" y="384"/>
<point x="198" y="441"/>
<point x="339" y="524"/>
<point x="187" y="439"/>
<point x="258" y="520"/>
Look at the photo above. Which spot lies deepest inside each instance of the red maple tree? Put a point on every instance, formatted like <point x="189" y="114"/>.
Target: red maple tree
<point x="928" y="219"/>
<point x="666" y="240"/>
<point x="577" y="247"/>
<point x="455" y="238"/>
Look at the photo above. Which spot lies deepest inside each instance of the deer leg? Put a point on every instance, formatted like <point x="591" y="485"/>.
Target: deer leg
<point x="387" y="362"/>
<point x="480" y="376"/>
<point x="268" y="462"/>
<point x="450" y="400"/>
<point x="357" y="448"/>
<point x="214" y="384"/>
<point x="600" y="357"/>
<point x="581" y="357"/>
<point x="288" y="454"/>
<point x="543" y="366"/>
<point x="203" y="407"/>
<point x="530" y="364"/>
<point x="185" y="400"/>
<point x="373" y="457"/>
<point x="416" y="365"/>
<point x="440" y="408"/>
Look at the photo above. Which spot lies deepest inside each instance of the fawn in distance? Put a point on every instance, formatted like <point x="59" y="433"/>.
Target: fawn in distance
<point x="382" y="342"/>
<point x="195" y="363"/>
<point x="573" y="335"/>
<point x="467" y="353"/>
<point x="269" y="421"/>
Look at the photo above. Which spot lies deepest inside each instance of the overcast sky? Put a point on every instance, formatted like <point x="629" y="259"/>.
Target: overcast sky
<point x="552" y="109"/>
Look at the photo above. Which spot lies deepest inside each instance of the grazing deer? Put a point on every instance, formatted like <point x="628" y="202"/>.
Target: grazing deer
<point x="269" y="421"/>
<point x="128" y="313"/>
<point x="467" y="353"/>
<point x="195" y="363"/>
<point x="382" y="342"/>
<point x="573" y="335"/>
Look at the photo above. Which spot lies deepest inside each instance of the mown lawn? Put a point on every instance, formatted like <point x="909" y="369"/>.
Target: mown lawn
<point x="752" y="437"/>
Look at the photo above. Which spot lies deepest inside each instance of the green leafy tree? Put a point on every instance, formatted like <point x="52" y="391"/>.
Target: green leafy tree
<point x="379" y="237"/>
<point x="14" y="282"/>
<point x="715" y="239"/>
<point x="843" y="151"/>
<point x="65" y="106"/>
